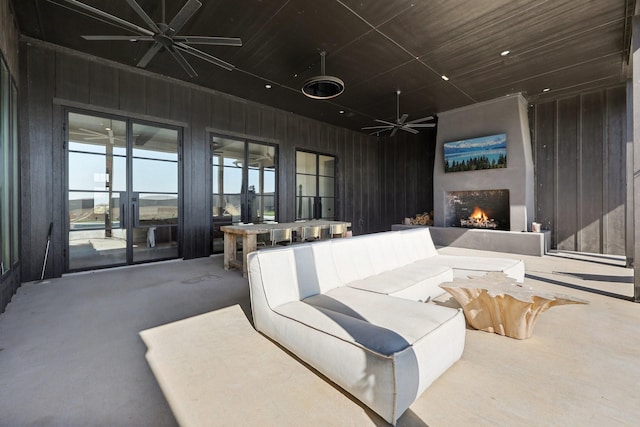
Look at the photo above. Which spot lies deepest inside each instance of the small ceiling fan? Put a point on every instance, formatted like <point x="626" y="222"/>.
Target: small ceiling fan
<point x="400" y="123"/>
<point x="163" y="35"/>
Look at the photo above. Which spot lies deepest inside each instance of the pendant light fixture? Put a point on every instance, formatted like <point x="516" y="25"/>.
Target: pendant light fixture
<point x="323" y="86"/>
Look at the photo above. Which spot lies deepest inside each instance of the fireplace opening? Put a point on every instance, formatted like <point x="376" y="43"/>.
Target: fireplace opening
<point x="484" y="209"/>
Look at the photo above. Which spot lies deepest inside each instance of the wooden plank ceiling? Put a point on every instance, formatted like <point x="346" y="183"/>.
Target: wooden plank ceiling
<point x="376" y="47"/>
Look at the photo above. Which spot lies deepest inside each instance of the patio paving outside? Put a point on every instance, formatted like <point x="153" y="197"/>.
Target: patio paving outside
<point x="72" y="354"/>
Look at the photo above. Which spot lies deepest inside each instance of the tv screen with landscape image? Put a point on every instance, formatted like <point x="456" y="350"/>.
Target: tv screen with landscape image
<point x="486" y="152"/>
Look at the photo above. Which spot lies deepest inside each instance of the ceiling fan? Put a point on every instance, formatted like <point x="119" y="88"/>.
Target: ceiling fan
<point x="400" y="123"/>
<point x="163" y="35"/>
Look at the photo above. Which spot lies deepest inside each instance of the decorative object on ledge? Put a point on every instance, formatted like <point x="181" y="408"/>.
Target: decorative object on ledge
<point x="162" y="35"/>
<point x="495" y="303"/>
<point x="400" y="123"/>
<point x="323" y="86"/>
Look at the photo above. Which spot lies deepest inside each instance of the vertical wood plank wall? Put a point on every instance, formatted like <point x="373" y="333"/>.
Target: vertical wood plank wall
<point x="580" y="161"/>
<point x="378" y="177"/>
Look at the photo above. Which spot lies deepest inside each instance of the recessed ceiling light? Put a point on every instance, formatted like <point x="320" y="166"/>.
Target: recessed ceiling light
<point x="341" y="111"/>
<point x="445" y="78"/>
<point x="546" y="89"/>
<point x="505" y="52"/>
<point x="268" y="86"/>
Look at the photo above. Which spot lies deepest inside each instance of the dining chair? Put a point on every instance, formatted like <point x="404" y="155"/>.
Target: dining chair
<point x="280" y="235"/>
<point x="310" y="233"/>
<point x="336" y="230"/>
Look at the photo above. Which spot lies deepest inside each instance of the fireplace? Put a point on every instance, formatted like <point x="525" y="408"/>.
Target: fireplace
<point x="483" y="209"/>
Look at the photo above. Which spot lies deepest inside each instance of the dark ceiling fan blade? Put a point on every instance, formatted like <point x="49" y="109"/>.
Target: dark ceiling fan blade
<point x="424" y="119"/>
<point x="403" y="118"/>
<point x="385" y="122"/>
<point x="218" y="41"/>
<point x="110" y="17"/>
<point x="377" y="127"/>
<point x="183" y="16"/>
<point x="153" y="50"/>
<point x="119" y="38"/>
<point x="140" y="11"/>
<point x="408" y="129"/>
<point x="422" y="125"/>
<point x="394" y="131"/>
<point x="205" y="56"/>
<point x="183" y="62"/>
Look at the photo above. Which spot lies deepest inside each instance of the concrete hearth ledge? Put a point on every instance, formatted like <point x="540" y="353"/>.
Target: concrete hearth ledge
<point x="515" y="242"/>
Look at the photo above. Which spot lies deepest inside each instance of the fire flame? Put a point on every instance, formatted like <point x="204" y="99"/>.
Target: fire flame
<point x="479" y="214"/>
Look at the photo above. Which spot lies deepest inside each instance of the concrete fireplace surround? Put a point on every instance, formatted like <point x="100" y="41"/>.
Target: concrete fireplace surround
<point x="502" y="115"/>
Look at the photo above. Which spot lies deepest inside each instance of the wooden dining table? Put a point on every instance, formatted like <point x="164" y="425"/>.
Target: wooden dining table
<point x="249" y="233"/>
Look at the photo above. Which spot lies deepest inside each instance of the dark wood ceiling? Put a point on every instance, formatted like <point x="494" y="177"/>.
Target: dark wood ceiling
<point x="375" y="46"/>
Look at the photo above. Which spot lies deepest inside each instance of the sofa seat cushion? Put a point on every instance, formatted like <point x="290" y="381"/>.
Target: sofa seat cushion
<point x="423" y="278"/>
<point x="378" y="322"/>
<point x="472" y="265"/>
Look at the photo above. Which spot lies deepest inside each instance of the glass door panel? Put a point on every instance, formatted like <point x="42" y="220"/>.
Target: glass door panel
<point x="96" y="175"/>
<point x="244" y="188"/>
<point x="154" y="196"/>
<point x="122" y="192"/>
<point x="262" y="182"/>
<point x="315" y="186"/>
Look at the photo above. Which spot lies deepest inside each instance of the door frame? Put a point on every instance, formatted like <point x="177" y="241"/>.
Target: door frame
<point x="129" y="122"/>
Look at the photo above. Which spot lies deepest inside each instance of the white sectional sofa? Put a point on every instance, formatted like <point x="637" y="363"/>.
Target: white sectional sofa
<point x="350" y="308"/>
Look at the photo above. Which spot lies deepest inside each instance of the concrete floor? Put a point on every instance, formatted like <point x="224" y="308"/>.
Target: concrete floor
<point x="71" y="354"/>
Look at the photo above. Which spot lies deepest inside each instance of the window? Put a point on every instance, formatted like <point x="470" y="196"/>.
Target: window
<point x="315" y="186"/>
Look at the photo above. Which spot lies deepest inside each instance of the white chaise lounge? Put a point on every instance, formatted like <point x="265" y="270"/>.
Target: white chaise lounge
<point x="350" y="308"/>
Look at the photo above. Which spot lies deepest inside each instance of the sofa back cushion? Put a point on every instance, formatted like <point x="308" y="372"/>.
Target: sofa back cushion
<point x="279" y="275"/>
<point x="418" y="243"/>
<point x="351" y="259"/>
<point x="316" y="272"/>
<point x="380" y="250"/>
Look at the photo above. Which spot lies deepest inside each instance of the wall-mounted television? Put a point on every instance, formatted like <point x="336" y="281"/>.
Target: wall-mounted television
<point x="485" y="152"/>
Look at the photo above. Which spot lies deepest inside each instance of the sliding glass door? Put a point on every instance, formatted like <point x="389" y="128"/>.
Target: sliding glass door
<point x="123" y="180"/>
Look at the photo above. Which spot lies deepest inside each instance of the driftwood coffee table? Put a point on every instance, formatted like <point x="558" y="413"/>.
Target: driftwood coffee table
<point x="497" y="303"/>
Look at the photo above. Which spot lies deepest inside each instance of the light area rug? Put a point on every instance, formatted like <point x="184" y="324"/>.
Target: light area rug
<point x="215" y="369"/>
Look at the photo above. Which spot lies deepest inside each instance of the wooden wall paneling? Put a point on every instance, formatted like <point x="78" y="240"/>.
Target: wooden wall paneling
<point x="103" y="85"/>
<point x="567" y="165"/>
<point x="591" y="173"/>
<point x="133" y="94"/>
<point x="372" y="186"/>
<point x="288" y="189"/>
<point x="340" y="150"/>
<point x="253" y="120"/>
<point x="286" y="164"/>
<point x="545" y="171"/>
<point x="267" y="123"/>
<point x="220" y="112"/>
<point x="367" y="188"/>
<point x="71" y="77"/>
<point x="180" y="103"/>
<point x="358" y="195"/>
<point x="615" y="193"/>
<point x="59" y="194"/>
<point x="159" y="102"/>
<point x="237" y="118"/>
<point x="348" y="172"/>
<point x="37" y="92"/>
<point x="197" y="179"/>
